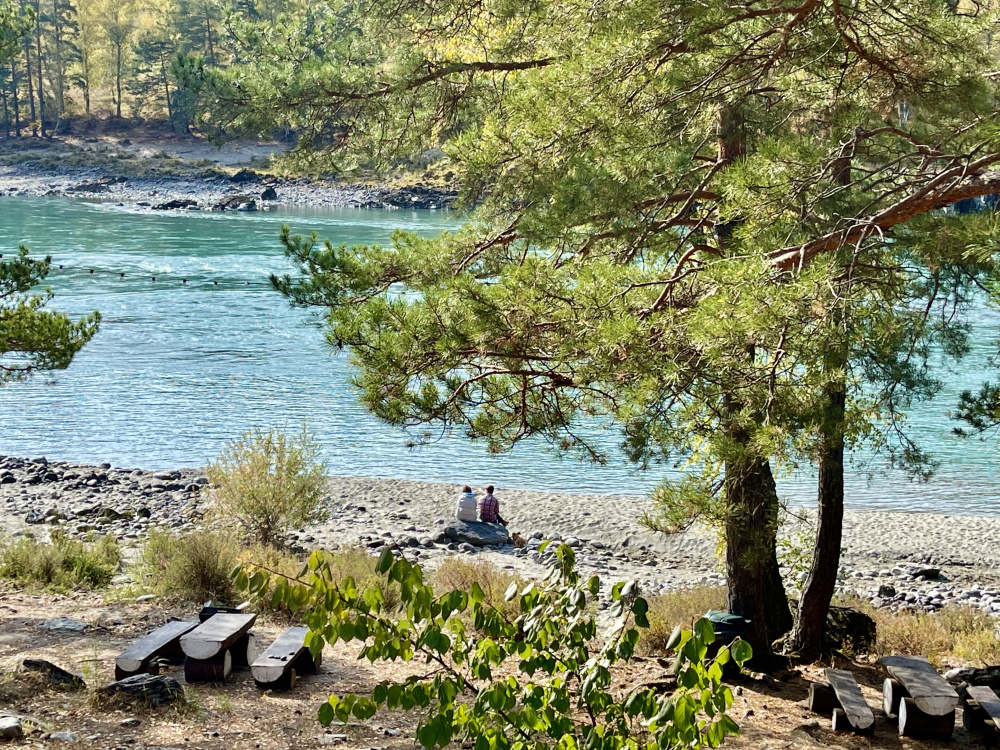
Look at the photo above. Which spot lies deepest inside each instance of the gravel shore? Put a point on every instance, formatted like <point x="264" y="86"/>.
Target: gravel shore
<point x="898" y="560"/>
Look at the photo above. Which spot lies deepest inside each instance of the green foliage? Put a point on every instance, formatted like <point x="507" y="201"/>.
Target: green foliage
<point x="268" y="483"/>
<point x="32" y="338"/>
<point x="193" y="567"/>
<point x="62" y="564"/>
<point x="542" y="679"/>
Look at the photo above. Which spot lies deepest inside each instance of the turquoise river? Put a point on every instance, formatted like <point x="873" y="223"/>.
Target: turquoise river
<point x="177" y="368"/>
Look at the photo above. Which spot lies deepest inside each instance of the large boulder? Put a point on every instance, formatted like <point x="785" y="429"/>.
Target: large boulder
<point x="849" y="627"/>
<point x="477" y="534"/>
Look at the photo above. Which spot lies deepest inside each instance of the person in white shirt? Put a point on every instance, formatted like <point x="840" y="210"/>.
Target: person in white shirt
<point x="467" y="505"/>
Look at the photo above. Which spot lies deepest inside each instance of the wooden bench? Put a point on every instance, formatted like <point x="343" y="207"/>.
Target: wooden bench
<point x="918" y="697"/>
<point x="841" y="697"/>
<point x="217" y="645"/>
<point x="982" y="713"/>
<point x="284" y="661"/>
<point x="144" y="654"/>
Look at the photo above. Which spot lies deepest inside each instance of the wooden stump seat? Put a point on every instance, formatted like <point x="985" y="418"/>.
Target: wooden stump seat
<point x="919" y="698"/>
<point x="216" y="646"/>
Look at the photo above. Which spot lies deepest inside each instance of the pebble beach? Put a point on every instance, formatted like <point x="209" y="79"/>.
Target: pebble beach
<point x="905" y="560"/>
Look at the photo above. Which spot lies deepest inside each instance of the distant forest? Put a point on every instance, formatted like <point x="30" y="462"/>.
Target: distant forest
<point x="112" y="58"/>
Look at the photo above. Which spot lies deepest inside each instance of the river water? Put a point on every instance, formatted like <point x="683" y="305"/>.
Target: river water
<point x="178" y="368"/>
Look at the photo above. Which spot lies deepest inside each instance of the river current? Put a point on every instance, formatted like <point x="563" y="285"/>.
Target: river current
<point x="180" y="367"/>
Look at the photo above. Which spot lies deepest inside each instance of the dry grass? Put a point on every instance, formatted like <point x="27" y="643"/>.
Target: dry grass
<point x="457" y="573"/>
<point x="195" y="567"/>
<point x="60" y="565"/>
<point x="677" y="608"/>
<point x="954" y="634"/>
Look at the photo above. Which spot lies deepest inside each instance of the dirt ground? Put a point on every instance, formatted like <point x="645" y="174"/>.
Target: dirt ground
<point x="771" y="712"/>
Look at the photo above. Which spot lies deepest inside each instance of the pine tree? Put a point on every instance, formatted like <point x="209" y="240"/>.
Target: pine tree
<point x="33" y="339"/>
<point x="666" y="230"/>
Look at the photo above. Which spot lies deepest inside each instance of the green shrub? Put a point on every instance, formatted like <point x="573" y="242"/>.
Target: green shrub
<point x="268" y="483"/>
<point x="60" y="565"/>
<point x="684" y="608"/>
<point x="195" y="566"/>
<point x="550" y="679"/>
<point x="460" y="574"/>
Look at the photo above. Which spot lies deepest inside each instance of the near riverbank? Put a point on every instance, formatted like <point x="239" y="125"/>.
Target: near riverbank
<point x="917" y="561"/>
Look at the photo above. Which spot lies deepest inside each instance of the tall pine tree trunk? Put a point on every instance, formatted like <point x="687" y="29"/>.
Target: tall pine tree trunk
<point x="38" y="59"/>
<point x="821" y="582"/>
<point x="13" y="95"/>
<point x="166" y="88"/>
<point x="31" y="88"/>
<point x="118" y="79"/>
<point x="756" y="591"/>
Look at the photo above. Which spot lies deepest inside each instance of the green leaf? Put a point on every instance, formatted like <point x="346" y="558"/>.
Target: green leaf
<point x="476" y="595"/>
<point x="384" y="561"/>
<point x="741" y="651"/>
<point x="675" y="638"/>
<point x="326" y="714"/>
<point x="704" y="630"/>
<point x="594" y="585"/>
<point x="511" y="592"/>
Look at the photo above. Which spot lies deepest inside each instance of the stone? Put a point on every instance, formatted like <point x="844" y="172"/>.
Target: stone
<point x="63" y="736"/>
<point x="849" y="626"/>
<point x="52" y="673"/>
<point x="244" y="176"/>
<point x="236" y="203"/>
<point x="152" y="690"/>
<point x="10" y="728"/>
<point x="886" y="591"/>
<point x="131" y="722"/>
<point x="269" y="194"/>
<point x="477" y="534"/>
<point x="64" y="624"/>
<point x="175" y="204"/>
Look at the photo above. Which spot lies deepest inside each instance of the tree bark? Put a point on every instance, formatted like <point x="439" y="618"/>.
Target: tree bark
<point x="38" y="61"/>
<point x="31" y="89"/>
<point x="756" y="591"/>
<point x="817" y="593"/>
<point x="13" y="94"/>
<point x="814" y="604"/>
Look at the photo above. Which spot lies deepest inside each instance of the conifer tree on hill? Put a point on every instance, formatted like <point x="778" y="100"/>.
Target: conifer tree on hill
<point x="707" y="221"/>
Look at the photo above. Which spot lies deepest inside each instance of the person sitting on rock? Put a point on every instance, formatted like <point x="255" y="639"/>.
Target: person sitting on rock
<point x="489" y="509"/>
<point x="466" y="510"/>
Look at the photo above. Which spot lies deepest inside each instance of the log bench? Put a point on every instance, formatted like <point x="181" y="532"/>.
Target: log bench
<point x="285" y="661"/>
<point x="143" y="656"/>
<point x="918" y="698"/>
<point x="982" y="713"/>
<point x="841" y="698"/>
<point x="216" y="646"/>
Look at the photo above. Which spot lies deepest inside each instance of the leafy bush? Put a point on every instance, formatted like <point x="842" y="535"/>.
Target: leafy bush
<point x="457" y="573"/>
<point x="541" y="680"/>
<point x="268" y="483"/>
<point x="61" y="565"/>
<point x="684" y="608"/>
<point x="195" y="566"/>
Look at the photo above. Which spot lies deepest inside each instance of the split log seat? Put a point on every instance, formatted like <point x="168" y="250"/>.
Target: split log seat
<point x="982" y="713"/>
<point x="209" y="648"/>
<point x="143" y="656"/>
<point x="918" y="698"/>
<point x="285" y="661"/>
<point x="849" y="710"/>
